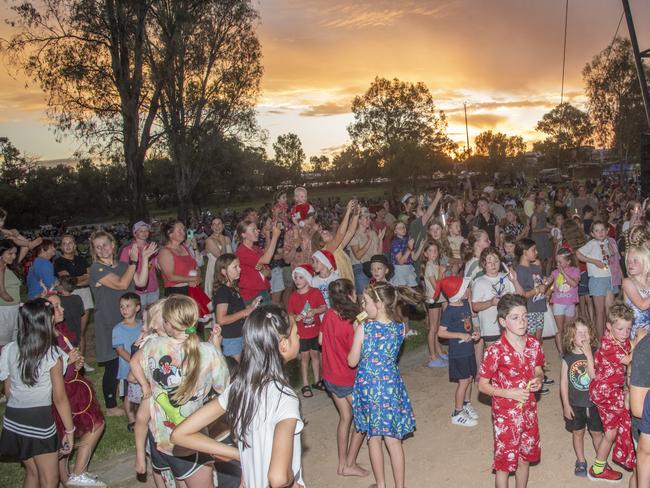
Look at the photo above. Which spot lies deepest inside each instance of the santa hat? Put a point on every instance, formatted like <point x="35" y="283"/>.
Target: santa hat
<point x="406" y="197"/>
<point x="325" y="257"/>
<point x="453" y="287"/>
<point x="306" y="270"/>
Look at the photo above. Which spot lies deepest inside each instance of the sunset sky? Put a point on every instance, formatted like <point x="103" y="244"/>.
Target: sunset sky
<point x="504" y="57"/>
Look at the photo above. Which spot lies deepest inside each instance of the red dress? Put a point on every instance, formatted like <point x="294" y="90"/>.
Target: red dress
<point x="606" y="391"/>
<point x="86" y="412"/>
<point x="516" y="431"/>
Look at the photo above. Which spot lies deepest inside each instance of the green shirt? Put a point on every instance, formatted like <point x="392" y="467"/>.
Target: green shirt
<point x="12" y="286"/>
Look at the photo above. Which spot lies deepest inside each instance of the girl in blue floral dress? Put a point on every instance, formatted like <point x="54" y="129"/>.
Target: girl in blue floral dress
<point x="380" y="403"/>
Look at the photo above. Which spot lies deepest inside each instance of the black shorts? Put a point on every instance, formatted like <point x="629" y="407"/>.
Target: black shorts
<point x="584" y="417"/>
<point x="28" y="432"/>
<point x="309" y="344"/>
<point x="181" y="467"/>
<point x="431" y="306"/>
<point x="491" y="338"/>
<point x="462" y="368"/>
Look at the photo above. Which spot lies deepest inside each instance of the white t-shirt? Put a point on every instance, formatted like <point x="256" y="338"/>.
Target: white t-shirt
<point x="431" y="270"/>
<point x="594" y="250"/>
<point x="276" y="404"/>
<point x="323" y="285"/>
<point x="486" y="288"/>
<point x="22" y="395"/>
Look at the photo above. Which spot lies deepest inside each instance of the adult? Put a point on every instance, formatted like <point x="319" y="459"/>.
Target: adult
<point x="109" y="280"/>
<point x="215" y="245"/>
<point x="69" y="263"/>
<point x="336" y="240"/>
<point x="513" y="226"/>
<point x="254" y="262"/>
<point x="364" y="244"/>
<point x="582" y="200"/>
<point x="10" y="297"/>
<point x="151" y="291"/>
<point x="40" y="277"/>
<point x="485" y="220"/>
<point x="177" y="264"/>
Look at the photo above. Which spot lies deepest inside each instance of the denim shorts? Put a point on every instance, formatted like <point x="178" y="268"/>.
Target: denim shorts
<point x="337" y="390"/>
<point x="600" y="287"/>
<point x="277" y="281"/>
<point x="232" y="346"/>
<point x="566" y="309"/>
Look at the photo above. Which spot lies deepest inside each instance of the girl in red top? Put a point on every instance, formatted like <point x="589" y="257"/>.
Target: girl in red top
<point x="607" y="391"/>
<point x="337" y="332"/>
<point x="254" y="262"/>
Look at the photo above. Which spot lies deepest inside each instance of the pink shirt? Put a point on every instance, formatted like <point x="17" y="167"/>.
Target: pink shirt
<point x="563" y="293"/>
<point x="152" y="282"/>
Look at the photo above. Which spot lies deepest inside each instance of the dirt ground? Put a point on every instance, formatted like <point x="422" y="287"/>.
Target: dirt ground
<point x="443" y="455"/>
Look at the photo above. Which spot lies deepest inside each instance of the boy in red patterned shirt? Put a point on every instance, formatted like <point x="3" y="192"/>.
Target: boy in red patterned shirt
<point x="510" y="373"/>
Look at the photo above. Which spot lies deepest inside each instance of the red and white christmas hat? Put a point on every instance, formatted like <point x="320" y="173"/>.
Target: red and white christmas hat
<point x="453" y="287"/>
<point x="305" y="270"/>
<point x="325" y="257"/>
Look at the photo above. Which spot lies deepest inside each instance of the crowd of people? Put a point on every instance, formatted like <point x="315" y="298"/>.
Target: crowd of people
<point x="200" y="371"/>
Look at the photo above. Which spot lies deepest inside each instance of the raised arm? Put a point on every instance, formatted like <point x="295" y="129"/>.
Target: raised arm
<point x="270" y="250"/>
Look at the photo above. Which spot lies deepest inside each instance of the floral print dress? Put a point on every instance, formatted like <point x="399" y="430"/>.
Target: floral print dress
<point x="380" y="402"/>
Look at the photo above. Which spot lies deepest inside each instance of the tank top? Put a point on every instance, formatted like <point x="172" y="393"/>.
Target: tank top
<point x="182" y="267"/>
<point x="579" y="380"/>
<point x="641" y="317"/>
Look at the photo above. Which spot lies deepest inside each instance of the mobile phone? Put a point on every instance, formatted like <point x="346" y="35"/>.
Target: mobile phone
<point x="190" y="234"/>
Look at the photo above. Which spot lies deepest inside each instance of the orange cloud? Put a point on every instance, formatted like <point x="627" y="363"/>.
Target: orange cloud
<point x="326" y="109"/>
<point x="480" y="121"/>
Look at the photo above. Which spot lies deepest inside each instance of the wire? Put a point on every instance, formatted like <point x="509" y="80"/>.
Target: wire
<point x="566" y="23"/>
<point x="609" y="49"/>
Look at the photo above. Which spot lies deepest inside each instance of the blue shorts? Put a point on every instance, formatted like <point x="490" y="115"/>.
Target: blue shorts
<point x="277" y="281"/>
<point x="462" y="368"/>
<point x="232" y="346"/>
<point x="583" y="285"/>
<point x="644" y="428"/>
<point x="566" y="309"/>
<point x="337" y="390"/>
<point x="600" y="287"/>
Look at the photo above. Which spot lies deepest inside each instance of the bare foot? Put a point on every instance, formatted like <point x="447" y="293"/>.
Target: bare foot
<point x="354" y="470"/>
<point x="115" y="412"/>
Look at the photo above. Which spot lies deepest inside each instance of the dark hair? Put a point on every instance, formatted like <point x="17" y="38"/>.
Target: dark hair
<point x="487" y="252"/>
<point x="7" y="245"/>
<point x="68" y="283"/>
<point x="222" y="264"/>
<point x="3" y="213"/>
<point x="129" y="295"/>
<point x="568" y="255"/>
<point x="524" y="245"/>
<point x="43" y="246"/>
<point x="508" y="302"/>
<point x="573" y="234"/>
<point x="509" y="239"/>
<point x="261" y="363"/>
<point x="340" y="291"/>
<point x="587" y="208"/>
<point x="394" y="298"/>
<point x="35" y="338"/>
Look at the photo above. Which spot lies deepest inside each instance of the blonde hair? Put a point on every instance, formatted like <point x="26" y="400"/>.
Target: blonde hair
<point x="569" y="335"/>
<point x="153" y="311"/>
<point x="644" y="254"/>
<point x="180" y="312"/>
<point x="99" y="234"/>
<point x="619" y="311"/>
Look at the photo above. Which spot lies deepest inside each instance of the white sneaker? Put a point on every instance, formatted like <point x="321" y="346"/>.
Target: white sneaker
<point x="463" y="420"/>
<point x="84" y="480"/>
<point x="88" y="368"/>
<point x="411" y="332"/>
<point x="470" y="411"/>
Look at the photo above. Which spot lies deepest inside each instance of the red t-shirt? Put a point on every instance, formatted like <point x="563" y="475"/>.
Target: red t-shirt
<point x="251" y="281"/>
<point x="337" y="342"/>
<point x="296" y="305"/>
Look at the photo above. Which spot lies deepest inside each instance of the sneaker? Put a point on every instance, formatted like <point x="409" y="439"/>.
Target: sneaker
<point x="445" y="357"/>
<point x="437" y="363"/>
<point x="88" y="368"/>
<point x="411" y="332"/>
<point x="84" y="480"/>
<point x="548" y="381"/>
<point x="581" y="469"/>
<point x="470" y="411"/>
<point x="544" y="391"/>
<point x="608" y="474"/>
<point x="463" y="420"/>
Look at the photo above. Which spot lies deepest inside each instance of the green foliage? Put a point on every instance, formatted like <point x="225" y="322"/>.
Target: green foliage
<point x="567" y="129"/>
<point x="494" y="148"/>
<point x="319" y="164"/>
<point x="289" y="154"/>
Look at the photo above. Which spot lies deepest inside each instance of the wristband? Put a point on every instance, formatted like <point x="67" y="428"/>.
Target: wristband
<point x="70" y="431"/>
<point x="132" y="262"/>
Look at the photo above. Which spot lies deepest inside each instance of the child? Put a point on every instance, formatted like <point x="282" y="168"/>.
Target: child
<point x="432" y="273"/>
<point x="556" y="231"/>
<point x="280" y="209"/>
<point x="301" y="208"/>
<point x="337" y="333"/>
<point x="325" y="272"/>
<point x="530" y="276"/>
<point x="73" y="306"/>
<point x="636" y="288"/>
<point x="596" y="253"/>
<point x="456" y="325"/>
<point x="230" y="309"/>
<point x="456" y="240"/>
<point x="381" y="405"/>
<point x="305" y="306"/>
<point x="607" y="391"/>
<point x="261" y="407"/>
<point x="509" y="251"/>
<point x="32" y="370"/>
<point x="511" y="373"/>
<point x="180" y="372"/>
<point x="472" y="249"/>
<point x="579" y="340"/>
<point x="487" y="290"/>
<point x="378" y="269"/>
<point x="124" y="335"/>
<point x="401" y="257"/>
<point x="564" y="292"/>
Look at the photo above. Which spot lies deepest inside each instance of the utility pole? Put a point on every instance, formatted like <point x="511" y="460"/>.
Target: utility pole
<point x="466" y="128"/>
<point x="640" y="71"/>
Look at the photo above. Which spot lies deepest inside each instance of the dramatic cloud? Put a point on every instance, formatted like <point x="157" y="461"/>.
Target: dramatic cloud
<point x="326" y="109"/>
<point x="481" y="121"/>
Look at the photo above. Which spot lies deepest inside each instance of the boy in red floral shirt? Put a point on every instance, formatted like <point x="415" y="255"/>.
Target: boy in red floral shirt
<point x="510" y="373"/>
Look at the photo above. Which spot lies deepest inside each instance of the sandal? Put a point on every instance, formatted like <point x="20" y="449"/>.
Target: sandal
<point x="131" y="427"/>
<point x="319" y="386"/>
<point x="306" y="391"/>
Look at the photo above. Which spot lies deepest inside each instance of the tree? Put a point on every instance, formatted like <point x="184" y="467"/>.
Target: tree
<point x="395" y="121"/>
<point x="289" y="153"/>
<point x="207" y="56"/>
<point x="319" y="164"/>
<point x="567" y="128"/>
<point x="88" y="57"/>
<point x="615" y="101"/>
<point x="493" y="148"/>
